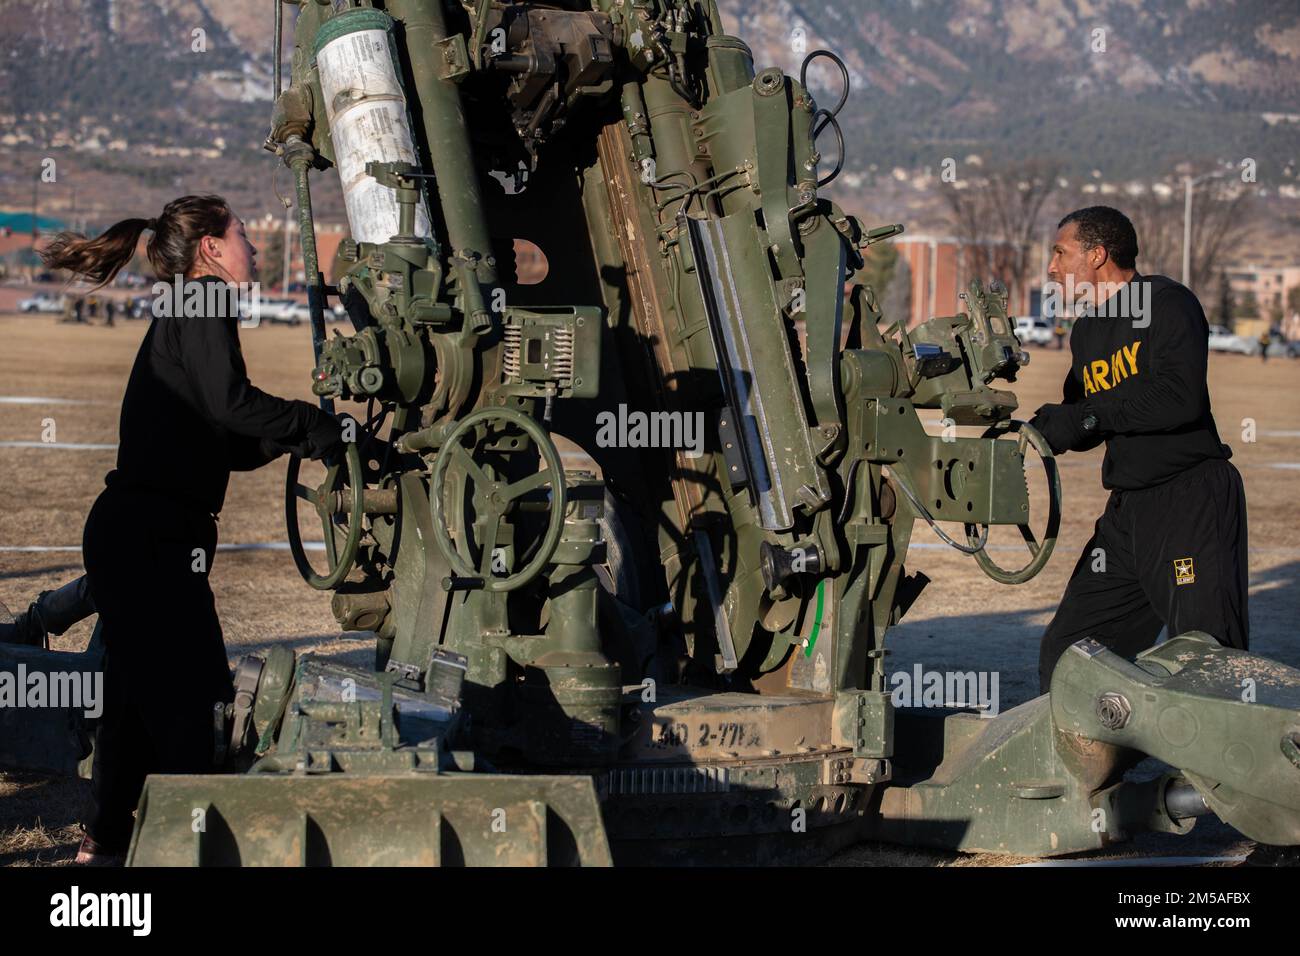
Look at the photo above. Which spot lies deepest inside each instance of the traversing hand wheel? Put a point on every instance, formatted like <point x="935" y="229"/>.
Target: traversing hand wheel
<point x="339" y="486"/>
<point x="1039" y="552"/>
<point x="492" y="499"/>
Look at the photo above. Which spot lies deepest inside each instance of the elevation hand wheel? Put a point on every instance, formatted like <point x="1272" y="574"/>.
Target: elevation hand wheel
<point x="491" y="500"/>
<point x="1039" y="553"/>
<point x="325" y="499"/>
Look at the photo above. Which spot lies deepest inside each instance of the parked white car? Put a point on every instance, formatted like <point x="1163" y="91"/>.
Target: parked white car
<point x="301" y="312"/>
<point x="298" y="313"/>
<point x="1034" y="331"/>
<point x="280" y="310"/>
<point x="1222" y="340"/>
<point x="41" y="302"/>
<point x="289" y="312"/>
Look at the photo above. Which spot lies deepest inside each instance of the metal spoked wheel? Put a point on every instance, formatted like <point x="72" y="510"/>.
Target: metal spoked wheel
<point x="493" y="499"/>
<point x="1039" y="552"/>
<point x="324" y="499"/>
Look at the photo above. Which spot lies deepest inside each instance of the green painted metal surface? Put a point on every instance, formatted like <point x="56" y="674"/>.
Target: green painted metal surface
<point x="629" y="523"/>
<point x="640" y="521"/>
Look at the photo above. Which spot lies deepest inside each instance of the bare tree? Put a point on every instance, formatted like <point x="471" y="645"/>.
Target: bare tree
<point x="1222" y="217"/>
<point x="1159" y="225"/>
<point x="997" y="218"/>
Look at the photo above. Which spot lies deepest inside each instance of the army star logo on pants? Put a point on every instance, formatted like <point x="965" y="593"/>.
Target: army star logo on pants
<point x="1184" y="573"/>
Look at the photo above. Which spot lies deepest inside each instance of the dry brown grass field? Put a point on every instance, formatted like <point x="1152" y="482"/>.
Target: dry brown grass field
<point x="964" y="621"/>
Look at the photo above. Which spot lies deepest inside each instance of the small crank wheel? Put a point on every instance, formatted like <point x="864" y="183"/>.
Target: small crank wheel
<point x="324" y="499"/>
<point x="493" y="499"/>
<point x="1039" y="553"/>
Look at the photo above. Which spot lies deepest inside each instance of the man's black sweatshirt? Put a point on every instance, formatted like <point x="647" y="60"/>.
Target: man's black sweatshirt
<point x="190" y="416"/>
<point x="1139" y="366"/>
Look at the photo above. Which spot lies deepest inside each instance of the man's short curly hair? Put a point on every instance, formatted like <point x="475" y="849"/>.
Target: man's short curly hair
<point x="1106" y="227"/>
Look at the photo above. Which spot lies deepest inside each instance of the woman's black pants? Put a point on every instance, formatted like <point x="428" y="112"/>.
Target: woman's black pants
<point x="148" y="557"/>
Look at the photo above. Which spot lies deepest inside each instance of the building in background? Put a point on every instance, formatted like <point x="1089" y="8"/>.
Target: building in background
<point x="18" y="257"/>
<point x="1273" y="287"/>
<point x="942" y="266"/>
<point x="268" y="234"/>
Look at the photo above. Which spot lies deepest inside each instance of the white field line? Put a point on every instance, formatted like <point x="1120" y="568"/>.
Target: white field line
<point x="61" y="445"/>
<point x="320" y="546"/>
<point x="41" y="400"/>
<point x="250" y="546"/>
<point x="940" y="546"/>
<point x="1142" y="861"/>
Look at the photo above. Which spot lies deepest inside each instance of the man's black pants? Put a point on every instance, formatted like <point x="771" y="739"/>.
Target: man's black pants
<point x="165" y="664"/>
<point x="1174" y="555"/>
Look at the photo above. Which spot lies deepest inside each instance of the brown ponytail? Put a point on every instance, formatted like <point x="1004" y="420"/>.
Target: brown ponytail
<point x="171" y="251"/>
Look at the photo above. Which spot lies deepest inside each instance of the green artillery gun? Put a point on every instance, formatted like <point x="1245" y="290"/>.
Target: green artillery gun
<point x="631" y="537"/>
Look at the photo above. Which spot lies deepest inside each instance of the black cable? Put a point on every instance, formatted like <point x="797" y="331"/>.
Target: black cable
<point x="844" y="72"/>
<point x="839" y="137"/>
<point x="977" y="543"/>
<point x="827" y="116"/>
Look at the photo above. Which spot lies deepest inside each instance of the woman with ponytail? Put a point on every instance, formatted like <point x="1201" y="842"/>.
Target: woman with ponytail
<point x="189" y="417"/>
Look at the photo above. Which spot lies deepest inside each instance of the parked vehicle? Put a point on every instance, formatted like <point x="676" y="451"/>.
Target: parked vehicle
<point x="279" y="311"/>
<point x="291" y="312"/>
<point x="139" y="307"/>
<point x="300" y="312"/>
<point x="1223" y="340"/>
<point x="41" y="302"/>
<point x="1033" y="330"/>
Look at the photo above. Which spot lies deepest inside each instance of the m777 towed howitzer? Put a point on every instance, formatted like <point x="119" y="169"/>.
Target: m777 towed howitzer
<point x="624" y="651"/>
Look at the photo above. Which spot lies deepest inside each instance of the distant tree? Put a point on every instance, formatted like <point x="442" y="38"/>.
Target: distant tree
<point x="1224" y="316"/>
<point x="23" y="261"/>
<point x="896" y="300"/>
<point x="997" y="218"/>
<point x="1159" y="226"/>
<point x="881" y="263"/>
<point x="1293" y="300"/>
<point x="1275" y="314"/>
<point x="1248" y="307"/>
<point x="1222" y="217"/>
<point x="271" y="255"/>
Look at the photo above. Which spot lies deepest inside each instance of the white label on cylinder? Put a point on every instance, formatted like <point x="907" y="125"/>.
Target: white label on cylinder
<point x="367" y="116"/>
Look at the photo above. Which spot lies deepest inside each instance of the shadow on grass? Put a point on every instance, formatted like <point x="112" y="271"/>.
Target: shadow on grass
<point x="40" y="818"/>
<point x="1007" y="641"/>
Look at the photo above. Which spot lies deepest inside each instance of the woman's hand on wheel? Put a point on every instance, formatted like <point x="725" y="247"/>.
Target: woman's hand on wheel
<point x="324" y="439"/>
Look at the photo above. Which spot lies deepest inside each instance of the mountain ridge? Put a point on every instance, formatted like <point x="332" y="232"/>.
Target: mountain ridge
<point x="117" y="87"/>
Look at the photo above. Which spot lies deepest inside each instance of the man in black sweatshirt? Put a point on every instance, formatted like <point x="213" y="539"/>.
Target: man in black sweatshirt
<point x="1170" y="548"/>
